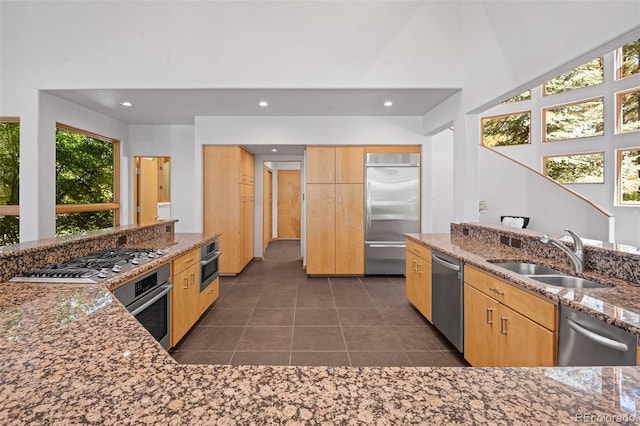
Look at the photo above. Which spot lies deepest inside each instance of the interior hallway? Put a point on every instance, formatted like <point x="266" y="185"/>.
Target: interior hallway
<point x="273" y="314"/>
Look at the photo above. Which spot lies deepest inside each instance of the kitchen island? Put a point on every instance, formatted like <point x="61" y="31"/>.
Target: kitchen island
<point x="73" y="354"/>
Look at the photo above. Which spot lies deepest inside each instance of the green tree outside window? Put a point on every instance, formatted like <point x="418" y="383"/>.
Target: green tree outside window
<point x="9" y="180"/>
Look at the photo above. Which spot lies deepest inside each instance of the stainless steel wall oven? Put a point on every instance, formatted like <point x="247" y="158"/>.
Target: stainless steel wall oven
<point x="147" y="298"/>
<point x="209" y="263"/>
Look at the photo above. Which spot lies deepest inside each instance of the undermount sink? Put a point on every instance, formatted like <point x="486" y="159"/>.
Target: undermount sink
<point x="526" y="268"/>
<point x="567" y="281"/>
<point x="547" y="275"/>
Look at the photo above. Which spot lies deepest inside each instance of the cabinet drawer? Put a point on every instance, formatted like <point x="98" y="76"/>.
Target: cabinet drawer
<point x="419" y="250"/>
<point x="531" y="306"/>
<point x="185" y="261"/>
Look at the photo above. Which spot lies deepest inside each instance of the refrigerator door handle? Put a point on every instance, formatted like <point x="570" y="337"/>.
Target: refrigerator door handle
<point x="368" y="206"/>
<point x="388" y="245"/>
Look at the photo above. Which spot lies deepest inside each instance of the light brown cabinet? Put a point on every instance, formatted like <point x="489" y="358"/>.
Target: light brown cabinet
<point x="328" y="164"/>
<point x="185" y="311"/>
<point x="418" y="277"/>
<point x="229" y="203"/>
<point x="335" y="229"/>
<point x="505" y="326"/>
<point x="208" y="296"/>
<point x="335" y="210"/>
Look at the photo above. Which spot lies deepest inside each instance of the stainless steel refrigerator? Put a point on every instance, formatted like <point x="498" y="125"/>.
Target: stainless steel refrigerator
<point x="392" y="209"/>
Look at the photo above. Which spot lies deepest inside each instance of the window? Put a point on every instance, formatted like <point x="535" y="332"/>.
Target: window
<point x="508" y="129"/>
<point x="87" y="177"/>
<point x="585" y="75"/>
<point x="9" y="180"/>
<point x="524" y="96"/>
<point x="628" y="107"/>
<point x="628" y="176"/>
<point x="575" y="168"/>
<point x="628" y="58"/>
<point x="576" y="120"/>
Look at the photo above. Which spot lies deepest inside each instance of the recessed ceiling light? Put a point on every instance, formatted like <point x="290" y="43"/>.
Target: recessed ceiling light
<point x="388" y="104"/>
<point x="263" y="104"/>
<point x="274" y="150"/>
<point x="126" y="104"/>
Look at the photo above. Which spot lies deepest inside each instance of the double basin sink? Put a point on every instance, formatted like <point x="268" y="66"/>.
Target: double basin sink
<point x="548" y="275"/>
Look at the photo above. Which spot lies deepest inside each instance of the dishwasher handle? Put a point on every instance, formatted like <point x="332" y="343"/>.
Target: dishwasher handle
<point x="605" y="341"/>
<point x="445" y="263"/>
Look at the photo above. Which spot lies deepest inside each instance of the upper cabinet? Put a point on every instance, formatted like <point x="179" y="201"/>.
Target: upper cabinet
<point x="247" y="167"/>
<point x="335" y="164"/>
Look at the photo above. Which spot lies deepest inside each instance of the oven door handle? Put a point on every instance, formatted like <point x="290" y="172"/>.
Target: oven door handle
<point x="210" y="258"/>
<point x="167" y="288"/>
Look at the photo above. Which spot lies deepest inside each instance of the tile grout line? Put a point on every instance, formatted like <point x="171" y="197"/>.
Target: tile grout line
<point x="344" y="340"/>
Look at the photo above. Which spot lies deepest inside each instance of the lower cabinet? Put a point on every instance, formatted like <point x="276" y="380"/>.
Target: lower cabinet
<point x="505" y="326"/>
<point x="188" y="303"/>
<point x="418" y="277"/>
<point x="208" y="296"/>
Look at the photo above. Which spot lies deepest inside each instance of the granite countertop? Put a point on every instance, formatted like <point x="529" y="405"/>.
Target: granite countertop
<point x="73" y="354"/>
<point x="618" y="303"/>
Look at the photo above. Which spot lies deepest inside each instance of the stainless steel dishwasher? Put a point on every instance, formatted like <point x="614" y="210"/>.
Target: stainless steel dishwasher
<point x="587" y="341"/>
<point x="447" y="307"/>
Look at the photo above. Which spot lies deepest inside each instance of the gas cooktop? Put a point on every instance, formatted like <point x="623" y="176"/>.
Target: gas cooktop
<point x="92" y="268"/>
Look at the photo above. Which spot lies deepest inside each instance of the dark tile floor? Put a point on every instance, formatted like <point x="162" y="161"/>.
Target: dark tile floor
<point x="273" y="314"/>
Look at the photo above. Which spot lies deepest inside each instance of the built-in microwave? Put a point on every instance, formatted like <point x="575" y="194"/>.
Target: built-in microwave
<point x="209" y="263"/>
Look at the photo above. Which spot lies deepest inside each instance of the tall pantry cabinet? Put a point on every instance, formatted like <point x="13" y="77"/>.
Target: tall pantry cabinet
<point x="229" y="203"/>
<point x="335" y="210"/>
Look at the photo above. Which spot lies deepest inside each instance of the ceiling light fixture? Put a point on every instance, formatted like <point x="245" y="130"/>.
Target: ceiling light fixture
<point x="263" y="104"/>
<point x="126" y="104"/>
<point x="388" y="104"/>
<point x="274" y="150"/>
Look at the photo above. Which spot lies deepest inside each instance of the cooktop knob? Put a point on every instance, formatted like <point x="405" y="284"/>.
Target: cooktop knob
<point x="116" y="268"/>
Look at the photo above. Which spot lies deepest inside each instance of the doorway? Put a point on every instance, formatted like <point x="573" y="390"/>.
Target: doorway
<point x="289" y="204"/>
<point x="151" y="189"/>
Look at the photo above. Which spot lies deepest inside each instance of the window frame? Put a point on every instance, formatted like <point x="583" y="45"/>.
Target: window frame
<point x="619" y="96"/>
<point x="618" y="64"/>
<point x="11" y="210"/>
<point x="482" y="119"/>
<point x="581" y="101"/>
<point x="619" y="201"/>
<point x="96" y="207"/>
<point x="571" y="154"/>
<point x="544" y="85"/>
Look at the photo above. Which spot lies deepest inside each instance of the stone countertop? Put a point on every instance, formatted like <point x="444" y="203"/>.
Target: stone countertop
<point x="617" y="304"/>
<point x="73" y="354"/>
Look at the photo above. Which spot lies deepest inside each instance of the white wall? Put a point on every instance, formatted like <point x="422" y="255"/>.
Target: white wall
<point x="441" y="181"/>
<point x="511" y="47"/>
<point x="142" y="44"/>
<point x="176" y="142"/>
<point x="627" y="230"/>
<point x="298" y="131"/>
<point x="517" y="191"/>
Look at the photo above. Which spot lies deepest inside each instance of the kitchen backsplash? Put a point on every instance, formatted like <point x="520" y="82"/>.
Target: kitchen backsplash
<point x="608" y="259"/>
<point x="23" y="257"/>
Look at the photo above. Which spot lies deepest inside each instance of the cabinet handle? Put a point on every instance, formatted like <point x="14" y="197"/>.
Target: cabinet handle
<point x="413" y="265"/>
<point x="503" y="325"/>
<point x="489" y="315"/>
<point x="419" y="267"/>
<point x="189" y="260"/>
<point x="330" y="200"/>
<point x="244" y="177"/>
<point x="186" y="283"/>
<point x="339" y="177"/>
<point x="339" y="199"/>
<point x="495" y="290"/>
<point x="193" y="278"/>
<point x="330" y="176"/>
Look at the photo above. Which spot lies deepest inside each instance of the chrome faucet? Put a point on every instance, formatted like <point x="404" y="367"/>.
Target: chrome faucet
<point x="577" y="256"/>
